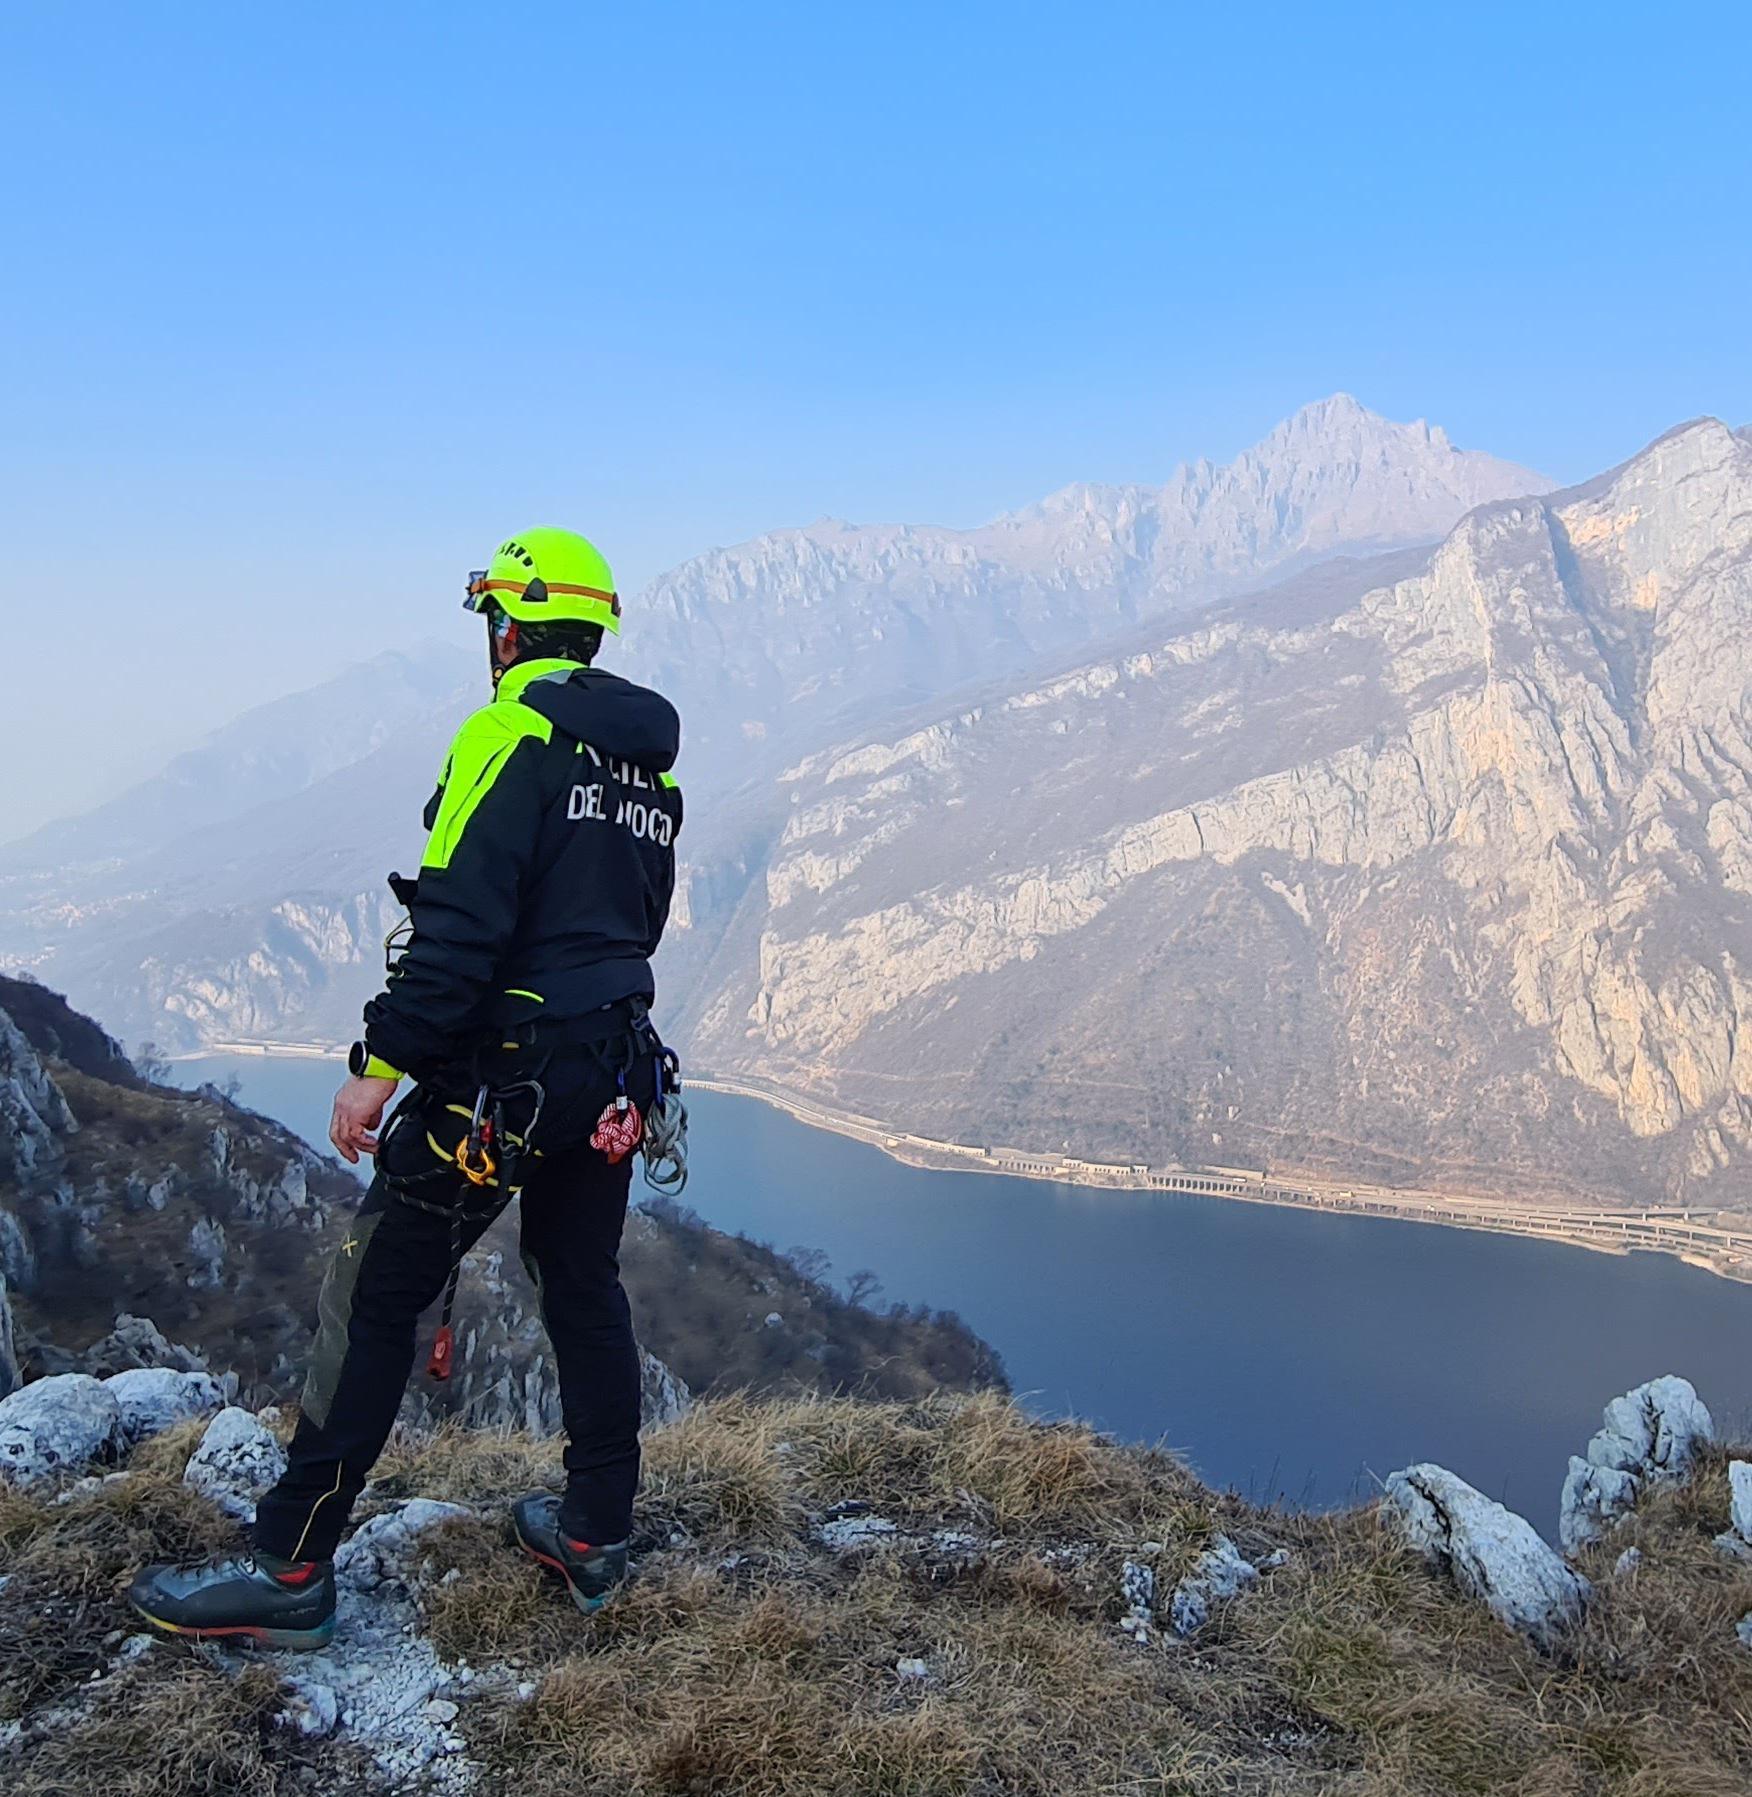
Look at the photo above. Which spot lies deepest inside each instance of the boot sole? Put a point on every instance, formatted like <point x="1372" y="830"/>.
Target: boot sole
<point x="588" y="1604"/>
<point x="285" y="1640"/>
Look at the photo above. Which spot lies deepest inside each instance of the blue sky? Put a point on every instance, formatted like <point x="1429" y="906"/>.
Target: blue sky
<point x="307" y="306"/>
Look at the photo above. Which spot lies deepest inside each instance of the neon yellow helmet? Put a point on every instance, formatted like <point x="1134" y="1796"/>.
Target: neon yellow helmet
<point x="548" y="577"/>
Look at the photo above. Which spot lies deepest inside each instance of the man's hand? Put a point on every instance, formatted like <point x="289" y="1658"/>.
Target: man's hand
<point x="358" y="1111"/>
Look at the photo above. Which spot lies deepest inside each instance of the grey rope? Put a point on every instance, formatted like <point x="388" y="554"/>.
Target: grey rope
<point x="665" y="1145"/>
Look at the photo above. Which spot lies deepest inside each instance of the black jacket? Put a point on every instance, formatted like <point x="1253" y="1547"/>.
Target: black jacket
<point x="548" y="870"/>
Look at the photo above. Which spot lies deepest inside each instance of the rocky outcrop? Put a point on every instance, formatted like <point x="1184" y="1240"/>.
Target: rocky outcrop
<point x="55" y="1426"/>
<point x="663" y="1397"/>
<point x="18" y="1257"/>
<point x="1221" y="1573"/>
<point x="1651" y="1435"/>
<point x="206" y="1251"/>
<point x="139" y="1342"/>
<point x="1492" y="1554"/>
<point x="34" y="1115"/>
<point x="11" y="1377"/>
<point x="238" y="1460"/>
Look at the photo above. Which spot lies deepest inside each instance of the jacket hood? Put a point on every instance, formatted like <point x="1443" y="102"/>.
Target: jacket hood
<point x="610" y="714"/>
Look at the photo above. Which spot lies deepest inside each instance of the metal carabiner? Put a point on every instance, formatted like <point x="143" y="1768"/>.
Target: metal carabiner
<point x="474" y="1153"/>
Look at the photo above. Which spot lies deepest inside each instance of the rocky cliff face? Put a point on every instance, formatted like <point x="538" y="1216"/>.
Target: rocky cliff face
<point x="1445" y="874"/>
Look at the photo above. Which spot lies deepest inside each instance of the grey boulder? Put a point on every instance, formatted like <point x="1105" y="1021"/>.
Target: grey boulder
<point x="1650" y="1436"/>
<point x="56" y="1425"/>
<point x="156" y="1398"/>
<point x="237" y="1461"/>
<point x="1492" y="1554"/>
<point x="1740" y="1498"/>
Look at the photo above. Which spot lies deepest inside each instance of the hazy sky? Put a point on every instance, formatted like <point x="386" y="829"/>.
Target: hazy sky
<point x="305" y="307"/>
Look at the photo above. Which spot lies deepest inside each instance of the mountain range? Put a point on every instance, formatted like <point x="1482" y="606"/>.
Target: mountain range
<point x="1236" y="821"/>
<point x="784" y="641"/>
<point x="239" y="893"/>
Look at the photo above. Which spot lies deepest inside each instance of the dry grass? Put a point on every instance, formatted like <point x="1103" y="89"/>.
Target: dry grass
<point x="184" y="1731"/>
<point x="67" y="1567"/>
<point x="695" y="1683"/>
<point x="746" y="1660"/>
<point x="482" y="1467"/>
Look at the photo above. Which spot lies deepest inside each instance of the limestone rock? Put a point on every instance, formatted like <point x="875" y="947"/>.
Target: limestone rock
<point x="313" y="1709"/>
<point x="385" y="1549"/>
<point x="153" y="1399"/>
<point x="18" y="1257"/>
<point x="1594" y="1499"/>
<point x="207" y="1253"/>
<point x="33" y="1112"/>
<point x="237" y="1461"/>
<point x="1221" y="1572"/>
<point x="1649" y="1435"/>
<point x="1493" y="1554"/>
<point x="1137" y="1592"/>
<point x="1740" y="1498"/>
<point x="56" y="1425"/>
<point x="139" y="1342"/>
<point x="849" y="1534"/>
<point x="10" y="1375"/>
<point x="663" y="1395"/>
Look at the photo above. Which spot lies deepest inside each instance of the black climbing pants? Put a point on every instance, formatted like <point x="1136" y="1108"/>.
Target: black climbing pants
<point x="393" y="1262"/>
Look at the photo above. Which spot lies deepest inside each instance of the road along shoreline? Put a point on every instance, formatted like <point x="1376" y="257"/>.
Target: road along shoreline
<point x="1698" y="1238"/>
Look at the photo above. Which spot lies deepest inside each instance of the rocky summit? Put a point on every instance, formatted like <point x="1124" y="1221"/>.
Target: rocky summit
<point x="1434" y="868"/>
<point x="938" y="1598"/>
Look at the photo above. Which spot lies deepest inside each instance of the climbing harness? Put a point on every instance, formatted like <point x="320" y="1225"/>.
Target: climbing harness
<point x="489" y="1155"/>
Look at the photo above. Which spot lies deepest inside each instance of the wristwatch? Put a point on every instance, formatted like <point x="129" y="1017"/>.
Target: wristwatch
<point x="363" y="1064"/>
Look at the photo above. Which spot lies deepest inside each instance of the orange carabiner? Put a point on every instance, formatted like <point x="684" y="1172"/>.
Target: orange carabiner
<point x="476" y="1172"/>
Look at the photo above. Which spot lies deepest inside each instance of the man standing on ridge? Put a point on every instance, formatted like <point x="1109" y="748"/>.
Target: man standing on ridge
<point x="520" y="1005"/>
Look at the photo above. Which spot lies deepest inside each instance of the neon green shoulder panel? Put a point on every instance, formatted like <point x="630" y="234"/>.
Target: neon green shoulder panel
<point x="477" y="758"/>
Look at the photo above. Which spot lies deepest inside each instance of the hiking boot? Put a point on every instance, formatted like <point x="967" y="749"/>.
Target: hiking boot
<point x="591" y="1573"/>
<point x="252" y="1597"/>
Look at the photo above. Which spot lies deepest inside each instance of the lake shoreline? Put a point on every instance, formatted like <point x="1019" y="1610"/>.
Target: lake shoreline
<point x="1727" y="1253"/>
<point x="1674" y="1231"/>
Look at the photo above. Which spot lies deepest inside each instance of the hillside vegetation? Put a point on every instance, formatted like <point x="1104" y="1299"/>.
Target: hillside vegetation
<point x="119" y="1195"/>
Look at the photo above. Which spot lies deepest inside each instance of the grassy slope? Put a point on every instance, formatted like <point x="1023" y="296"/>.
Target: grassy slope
<point x="747" y="1659"/>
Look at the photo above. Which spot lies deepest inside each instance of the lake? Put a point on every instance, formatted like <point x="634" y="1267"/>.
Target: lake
<point x="1288" y="1354"/>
